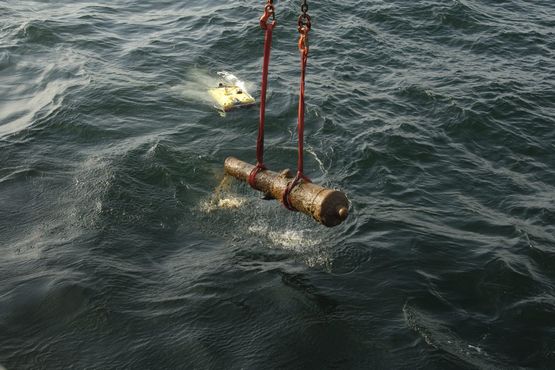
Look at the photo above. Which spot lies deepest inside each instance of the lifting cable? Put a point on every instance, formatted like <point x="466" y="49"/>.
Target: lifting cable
<point x="303" y="26"/>
<point x="268" y="27"/>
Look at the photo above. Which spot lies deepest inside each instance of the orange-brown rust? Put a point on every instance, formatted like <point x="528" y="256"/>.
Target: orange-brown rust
<point x="327" y="206"/>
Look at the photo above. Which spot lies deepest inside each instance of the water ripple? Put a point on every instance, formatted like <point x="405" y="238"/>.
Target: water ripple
<point x="123" y="249"/>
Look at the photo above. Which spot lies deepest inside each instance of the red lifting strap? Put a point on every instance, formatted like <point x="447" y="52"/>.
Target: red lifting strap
<point x="268" y="27"/>
<point x="304" y="28"/>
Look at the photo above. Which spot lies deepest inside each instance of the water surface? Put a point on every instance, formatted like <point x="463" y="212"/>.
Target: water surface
<point x="435" y="117"/>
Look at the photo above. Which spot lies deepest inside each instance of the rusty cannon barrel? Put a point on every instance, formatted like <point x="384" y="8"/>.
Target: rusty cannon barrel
<point x="327" y="206"/>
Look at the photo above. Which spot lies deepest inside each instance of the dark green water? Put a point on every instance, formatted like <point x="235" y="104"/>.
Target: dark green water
<point x="435" y="117"/>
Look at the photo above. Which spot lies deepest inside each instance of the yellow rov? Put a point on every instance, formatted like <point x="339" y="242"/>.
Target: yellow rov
<point x="230" y="96"/>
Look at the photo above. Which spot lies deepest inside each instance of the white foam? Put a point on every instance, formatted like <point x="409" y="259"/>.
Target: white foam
<point x="234" y="80"/>
<point x="195" y="86"/>
<point x="215" y="203"/>
<point x="299" y="241"/>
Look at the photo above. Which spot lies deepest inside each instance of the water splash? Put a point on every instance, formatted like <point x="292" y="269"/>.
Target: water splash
<point x="234" y="80"/>
<point x="222" y="198"/>
<point x="195" y="86"/>
<point x="269" y="227"/>
<point x="302" y="242"/>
